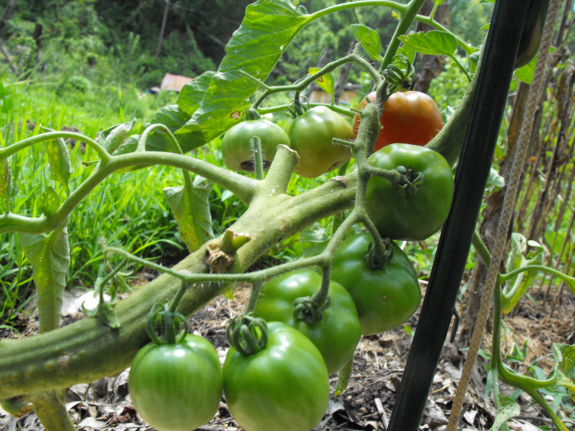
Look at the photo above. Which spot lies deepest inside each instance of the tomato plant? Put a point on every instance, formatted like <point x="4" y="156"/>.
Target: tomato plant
<point x="335" y="336"/>
<point x="284" y="387"/>
<point x="410" y="217"/>
<point x="311" y="135"/>
<point x="386" y="297"/>
<point x="409" y="117"/>
<point x="238" y="152"/>
<point x="176" y="387"/>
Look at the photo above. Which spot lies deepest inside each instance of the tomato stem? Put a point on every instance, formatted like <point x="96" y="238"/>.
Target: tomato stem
<point x="256" y="144"/>
<point x="304" y="83"/>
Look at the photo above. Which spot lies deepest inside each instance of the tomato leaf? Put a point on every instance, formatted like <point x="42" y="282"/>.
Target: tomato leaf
<point x="59" y="159"/>
<point x="173" y="118"/>
<point x="266" y="31"/>
<point x="565" y="365"/>
<point x="326" y="82"/>
<point x="526" y="72"/>
<point x="408" y="52"/>
<point x="369" y="40"/>
<point x="49" y="201"/>
<point x="343" y="377"/>
<point x="516" y="259"/>
<point x="314" y="240"/>
<point x="49" y="256"/>
<point x="5" y="182"/>
<point x="509" y="409"/>
<point x="433" y="42"/>
<point x="191" y="209"/>
<point x="193" y="92"/>
<point x="114" y="136"/>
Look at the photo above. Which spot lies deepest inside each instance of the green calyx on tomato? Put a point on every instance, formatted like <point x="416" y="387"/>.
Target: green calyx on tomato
<point x="312" y="134"/>
<point x="408" y="117"/>
<point x="247" y="334"/>
<point x="336" y="335"/>
<point x="384" y="298"/>
<point x="405" y="216"/>
<point x="283" y="387"/>
<point x="238" y="151"/>
<point x="176" y="387"/>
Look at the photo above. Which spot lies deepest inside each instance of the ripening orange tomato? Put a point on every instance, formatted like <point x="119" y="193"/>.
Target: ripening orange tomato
<point x="409" y="117"/>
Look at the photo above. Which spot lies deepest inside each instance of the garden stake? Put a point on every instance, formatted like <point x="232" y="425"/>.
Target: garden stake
<point x="493" y="80"/>
<point x="502" y="229"/>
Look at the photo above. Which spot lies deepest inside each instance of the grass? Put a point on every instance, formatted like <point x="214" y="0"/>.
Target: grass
<point x="127" y="209"/>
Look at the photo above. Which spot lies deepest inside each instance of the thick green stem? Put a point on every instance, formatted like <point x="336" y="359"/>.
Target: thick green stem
<point x="516" y="380"/>
<point x="14" y="148"/>
<point x="256" y="287"/>
<point x="320" y="297"/>
<point x="89" y="350"/>
<point x="52" y="412"/>
<point x="570" y="281"/>
<point x="256" y="142"/>
<point x="449" y="141"/>
<point x="281" y="108"/>
<point x="184" y="286"/>
<point x="481" y="249"/>
<point x="408" y="15"/>
<point x="303" y="84"/>
<point x="244" y="188"/>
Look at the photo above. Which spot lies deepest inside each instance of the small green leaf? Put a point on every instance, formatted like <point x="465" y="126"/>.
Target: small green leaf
<point x="49" y="201"/>
<point x="117" y="135"/>
<point x="433" y="42"/>
<point x="521" y="283"/>
<point x="486" y="1"/>
<point x="326" y="82"/>
<point x="107" y="315"/>
<point x="5" y="182"/>
<point x="314" y="240"/>
<point x="191" y="209"/>
<point x="485" y="26"/>
<point x="369" y="40"/>
<point x="49" y="256"/>
<point x="193" y="92"/>
<point x="526" y="72"/>
<point x="59" y="159"/>
<point x="438" y="2"/>
<point x="343" y="377"/>
<point x="565" y="365"/>
<point x="509" y="409"/>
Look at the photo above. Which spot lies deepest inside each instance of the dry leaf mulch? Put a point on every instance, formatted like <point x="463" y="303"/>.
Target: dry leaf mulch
<point x="368" y="401"/>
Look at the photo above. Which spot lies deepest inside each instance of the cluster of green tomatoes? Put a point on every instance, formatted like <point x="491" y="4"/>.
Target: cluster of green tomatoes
<point x="284" y="386"/>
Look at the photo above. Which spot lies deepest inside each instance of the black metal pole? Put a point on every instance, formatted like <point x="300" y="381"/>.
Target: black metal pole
<point x="489" y="103"/>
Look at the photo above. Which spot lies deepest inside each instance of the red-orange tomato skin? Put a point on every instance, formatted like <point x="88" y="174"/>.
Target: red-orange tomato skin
<point x="409" y="117"/>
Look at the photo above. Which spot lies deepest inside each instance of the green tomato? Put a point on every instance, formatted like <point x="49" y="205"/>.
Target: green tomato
<point x="386" y="297"/>
<point x="237" y="151"/>
<point x="284" y="387"/>
<point x="336" y="336"/>
<point x="176" y="387"/>
<point x="412" y="217"/>
<point x="311" y="136"/>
